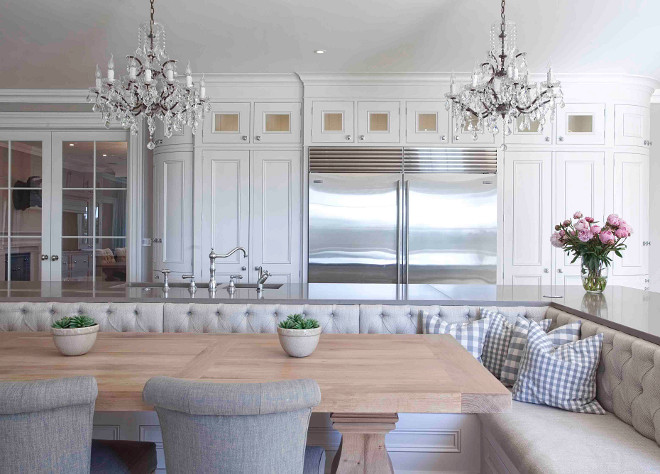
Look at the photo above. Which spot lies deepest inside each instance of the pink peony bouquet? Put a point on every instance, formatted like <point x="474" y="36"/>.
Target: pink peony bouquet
<point x="585" y="238"/>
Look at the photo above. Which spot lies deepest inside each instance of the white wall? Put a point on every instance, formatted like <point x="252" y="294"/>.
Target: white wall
<point x="654" y="199"/>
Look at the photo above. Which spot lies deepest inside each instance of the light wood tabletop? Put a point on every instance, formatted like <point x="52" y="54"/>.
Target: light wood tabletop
<point x="365" y="379"/>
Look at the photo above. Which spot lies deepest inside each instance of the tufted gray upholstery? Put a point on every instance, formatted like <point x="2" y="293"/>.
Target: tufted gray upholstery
<point x="114" y="317"/>
<point x="628" y="379"/>
<point x="257" y="318"/>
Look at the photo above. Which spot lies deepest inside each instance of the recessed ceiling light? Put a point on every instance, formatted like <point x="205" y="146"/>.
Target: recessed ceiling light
<point x="319" y="51"/>
<point x="105" y="154"/>
<point x="70" y="144"/>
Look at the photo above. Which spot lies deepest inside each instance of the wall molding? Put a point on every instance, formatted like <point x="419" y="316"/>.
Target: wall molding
<point x="46" y="96"/>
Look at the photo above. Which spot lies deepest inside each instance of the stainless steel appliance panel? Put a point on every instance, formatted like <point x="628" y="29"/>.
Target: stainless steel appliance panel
<point x="451" y="228"/>
<point x="354" y="231"/>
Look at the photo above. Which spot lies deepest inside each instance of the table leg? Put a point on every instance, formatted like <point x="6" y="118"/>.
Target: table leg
<point x="362" y="449"/>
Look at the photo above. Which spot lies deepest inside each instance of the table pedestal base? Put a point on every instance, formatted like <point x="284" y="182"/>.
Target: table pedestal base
<point x="362" y="449"/>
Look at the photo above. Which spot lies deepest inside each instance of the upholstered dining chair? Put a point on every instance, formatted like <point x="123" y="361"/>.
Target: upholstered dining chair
<point x="46" y="427"/>
<point x="236" y="428"/>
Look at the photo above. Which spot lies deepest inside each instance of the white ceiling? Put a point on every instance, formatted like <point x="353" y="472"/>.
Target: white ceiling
<point x="55" y="44"/>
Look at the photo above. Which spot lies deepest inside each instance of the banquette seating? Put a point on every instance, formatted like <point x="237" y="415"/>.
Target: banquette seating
<point x="532" y="438"/>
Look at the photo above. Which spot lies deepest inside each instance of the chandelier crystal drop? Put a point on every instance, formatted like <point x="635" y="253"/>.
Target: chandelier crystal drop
<point x="500" y="87"/>
<point x="151" y="89"/>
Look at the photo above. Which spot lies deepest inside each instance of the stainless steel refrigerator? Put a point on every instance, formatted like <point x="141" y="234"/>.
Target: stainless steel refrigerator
<point x="402" y="215"/>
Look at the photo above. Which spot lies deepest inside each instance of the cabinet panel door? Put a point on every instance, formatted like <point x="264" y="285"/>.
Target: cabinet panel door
<point x="332" y="122"/>
<point x="277" y="122"/>
<point x="276" y="215"/>
<point x="173" y="211"/>
<point x="225" y="210"/>
<point x="579" y="186"/>
<point x="581" y="124"/>
<point x="229" y="122"/>
<point x="527" y="218"/>
<point x="631" y="125"/>
<point x="631" y="191"/>
<point x="465" y="137"/>
<point x="378" y="122"/>
<point x="427" y="122"/>
<point x="533" y="135"/>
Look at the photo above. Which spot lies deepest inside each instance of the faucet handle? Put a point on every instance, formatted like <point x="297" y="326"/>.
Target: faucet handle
<point x="186" y="277"/>
<point x="165" y="271"/>
<point x="235" y="277"/>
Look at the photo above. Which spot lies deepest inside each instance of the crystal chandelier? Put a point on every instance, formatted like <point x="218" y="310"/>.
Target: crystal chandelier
<point x="500" y="88"/>
<point x="151" y="89"/>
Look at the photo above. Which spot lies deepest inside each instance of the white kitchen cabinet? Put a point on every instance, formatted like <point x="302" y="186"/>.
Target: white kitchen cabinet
<point x="378" y="122"/>
<point x="631" y="201"/>
<point x="581" y="124"/>
<point x="225" y="213"/>
<point x="579" y="185"/>
<point x="172" y="242"/>
<point x="277" y="122"/>
<point x="332" y="122"/>
<point x="465" y="137"/>
<point x="228" y="122"/>
<point x="427" y="122"/>
<point x="527" y="218"/>
<point x="631" y="125"/>
<point x="275" y="215"/>
<point x="532" y="136"/>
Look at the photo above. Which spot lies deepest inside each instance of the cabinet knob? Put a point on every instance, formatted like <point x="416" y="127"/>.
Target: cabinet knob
<point x="560" y="270"/>
<point x="456" y="138"/>
<point x="349" y="138"/>
<point x="362" y="137"/>
<point x="547" y="139"/>
<point x="561" y="139"/>
<point x="243" y="268"/>
<point x="54" y="258"/>
<point x="545" y="270"/>
<point x="443" y="138"/>
<point x="244" y="138"/>
<point x="258" y="138"/>
<point x="44" y="257"/>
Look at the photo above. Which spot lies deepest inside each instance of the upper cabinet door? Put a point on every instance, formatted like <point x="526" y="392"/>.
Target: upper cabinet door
<point x="527" y="218"/>
<point x="276" y="122"/>
<point x="631" y="126"/>
<point x="532" y="135"/>
<point x="427" y="122"/>
<point x="581" y="124"/>
<point x="631" y="202"/>
<point x="229" y="122"/>
<point x="332" y="122"/>
<point x="465" y="137"/>
<point x="378" y="122"/>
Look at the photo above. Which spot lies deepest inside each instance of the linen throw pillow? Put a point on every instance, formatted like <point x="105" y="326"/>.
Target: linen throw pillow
<point x="559" y="376"/>
<point x="470" y="335"/>
<point x="561" y="335"/>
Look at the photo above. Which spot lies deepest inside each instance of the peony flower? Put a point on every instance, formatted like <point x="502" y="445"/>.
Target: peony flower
<point x="557" y="227"/>
<point x="555" y="240"/>
<point x="577" y="215"/>
<point x="566" y="223"/>
<point x="627" y="227"/>
<point x="595" y="229"/>
<point x="607" y="237"/>
<point x="584" y="235"/>
<point x="613" y="220"/>
<point x="581" y="225"/>
<point x="590" y="220"/>
<point x="621" y="233"/>
<point x="562" y="233"/>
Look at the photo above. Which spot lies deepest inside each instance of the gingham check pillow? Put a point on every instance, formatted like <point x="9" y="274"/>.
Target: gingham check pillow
<point x="470" y="335"/>
<point x="559" y="376"/>
<point x="561" y="335"/>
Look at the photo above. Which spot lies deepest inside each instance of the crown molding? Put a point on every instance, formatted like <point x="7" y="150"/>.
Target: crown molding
<point x="655" y="98"/>
<point x="274" y="79"/>
<point x="44" y="96"/>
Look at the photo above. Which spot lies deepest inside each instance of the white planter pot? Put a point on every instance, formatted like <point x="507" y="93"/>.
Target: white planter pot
<point x="77" y="341"/>
<point x="299" y="342"/>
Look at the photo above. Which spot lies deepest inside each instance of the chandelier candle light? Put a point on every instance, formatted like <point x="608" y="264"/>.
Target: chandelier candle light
<point x="500" y="87"/>
<point x="150" y="89"/>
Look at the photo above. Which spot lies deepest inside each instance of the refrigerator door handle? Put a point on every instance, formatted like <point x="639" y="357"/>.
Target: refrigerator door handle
<point x="406" y="229"/>
<point x="399" y="231"/>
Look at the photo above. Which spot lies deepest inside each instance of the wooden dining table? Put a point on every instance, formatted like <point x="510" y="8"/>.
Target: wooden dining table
<point x="365" y="379"/>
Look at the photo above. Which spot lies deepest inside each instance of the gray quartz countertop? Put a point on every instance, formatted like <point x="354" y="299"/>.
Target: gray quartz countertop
<point x="635" y="311"/>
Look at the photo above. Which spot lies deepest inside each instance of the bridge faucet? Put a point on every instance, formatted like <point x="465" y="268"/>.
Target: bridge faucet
<point x="213" y="256"/>
<point x="263" y="276"/>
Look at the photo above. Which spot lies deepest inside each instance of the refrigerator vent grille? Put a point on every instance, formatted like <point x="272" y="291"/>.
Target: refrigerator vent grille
<point x="450" y="160"/>
<point x="355" y="159"/>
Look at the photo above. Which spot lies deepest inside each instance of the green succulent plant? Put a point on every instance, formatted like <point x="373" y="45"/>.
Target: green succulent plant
<point x="82" y="321"/>
<point x="296" y="321"/>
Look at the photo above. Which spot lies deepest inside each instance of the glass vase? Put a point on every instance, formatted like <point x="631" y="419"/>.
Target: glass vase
<point x="594" y="276"/>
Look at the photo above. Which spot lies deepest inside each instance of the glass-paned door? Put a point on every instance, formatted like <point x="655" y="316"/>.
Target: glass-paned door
<point x="25" y="173"/>
<point x="89" y="205"/>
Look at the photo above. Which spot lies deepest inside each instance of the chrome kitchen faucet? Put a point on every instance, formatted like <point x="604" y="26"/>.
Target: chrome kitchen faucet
<point x="213" y="256"/>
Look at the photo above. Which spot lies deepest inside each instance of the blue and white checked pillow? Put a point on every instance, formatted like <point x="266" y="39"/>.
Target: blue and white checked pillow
<point x="559" y="376"/>
<point x="470" y="335"/>
<point x="561" y="335"/>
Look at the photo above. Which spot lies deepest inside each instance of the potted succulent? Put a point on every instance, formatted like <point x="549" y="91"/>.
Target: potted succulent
<point x="299" y="336"/>
<point x="586" y="239"/>
<point x="76" y="335"/>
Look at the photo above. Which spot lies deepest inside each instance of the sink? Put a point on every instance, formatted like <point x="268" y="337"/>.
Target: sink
<point x="173" y="284"/>
<point x="267" y="286"/>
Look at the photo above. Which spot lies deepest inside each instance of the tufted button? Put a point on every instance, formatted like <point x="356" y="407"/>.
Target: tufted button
<point x="52" y="311"/>
<point x="189" y="313"/>
<point x="24" y="311"/>
<point x="136" y="312"/>
<point x="217" y="313"/>
<point x="382" y="316"/>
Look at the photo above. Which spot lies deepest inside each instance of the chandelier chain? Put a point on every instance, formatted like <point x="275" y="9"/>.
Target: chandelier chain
<point x="151" y="18"/>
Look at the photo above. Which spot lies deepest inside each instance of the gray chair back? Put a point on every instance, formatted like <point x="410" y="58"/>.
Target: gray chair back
<point x="233" y="428"/>
<point x="46" y="425"/>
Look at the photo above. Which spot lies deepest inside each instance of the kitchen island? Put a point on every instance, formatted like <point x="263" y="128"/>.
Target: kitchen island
<point x="633" y="311"/>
